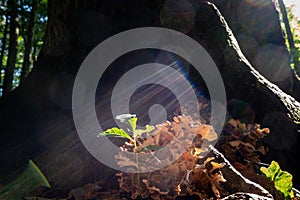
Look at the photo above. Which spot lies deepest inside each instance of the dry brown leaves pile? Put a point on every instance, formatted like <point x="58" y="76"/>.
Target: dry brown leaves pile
<point x="203" y="179"/>
<point x="185" y="176"/>
<point x="241" y="144"/>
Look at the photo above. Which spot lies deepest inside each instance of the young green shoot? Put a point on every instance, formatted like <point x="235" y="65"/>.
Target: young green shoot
<point x="131" y="120"/>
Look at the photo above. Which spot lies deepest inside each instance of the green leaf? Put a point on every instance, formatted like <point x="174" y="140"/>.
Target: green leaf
<point x="282" y="179"/>
<point x="115" y="132"/>
<point x="132" y="121"/>
<point x="146" y="130"/>
<point x="271" y="171"/>
<point x="283" y="183"/>
<point x="292" y="195"/>
<point x="30" y="179"/>
<point x="266" y="172"/>
<point x="275" y="170"/>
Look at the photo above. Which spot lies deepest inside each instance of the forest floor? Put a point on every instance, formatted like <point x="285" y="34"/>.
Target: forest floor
<point x="231" y="169"/>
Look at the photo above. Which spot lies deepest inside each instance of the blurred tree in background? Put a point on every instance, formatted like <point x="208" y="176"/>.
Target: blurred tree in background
<point x="22" y="28"/>
<point x="291" y="27"/>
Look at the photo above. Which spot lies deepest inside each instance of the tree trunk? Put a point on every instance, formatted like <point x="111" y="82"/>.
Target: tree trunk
<point x="36" y="118"/>
<point x="247" y="78"/>
<point x="3" y="47"/>
<point x="34" y="52"/>
<point x="12" y="49"/>
<point x="289" y="34"/>
<point x="261" y="40"/>
<point x="28" y="42"/>
<point x="287" y="28"/>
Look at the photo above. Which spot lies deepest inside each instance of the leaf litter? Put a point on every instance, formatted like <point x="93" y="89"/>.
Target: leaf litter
<point x="230" y="170"/>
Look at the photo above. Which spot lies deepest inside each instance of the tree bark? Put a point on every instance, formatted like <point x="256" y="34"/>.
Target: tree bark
<point x="251" y="83"/>
<point x="41" y="107"/>
<point x="12" y="49"/>
<point x="34" y="52"/>
<point x="262" y="41"/>
<point x="28" y="42"/>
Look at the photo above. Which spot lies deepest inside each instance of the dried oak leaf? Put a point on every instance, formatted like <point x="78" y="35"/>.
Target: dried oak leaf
<point x="203" y="179"/>
<point x="244" y="139"/>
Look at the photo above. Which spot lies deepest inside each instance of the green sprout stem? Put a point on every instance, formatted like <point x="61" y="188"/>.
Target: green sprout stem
<point x="117" y="132"/>
<point x="133" y="126"/>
